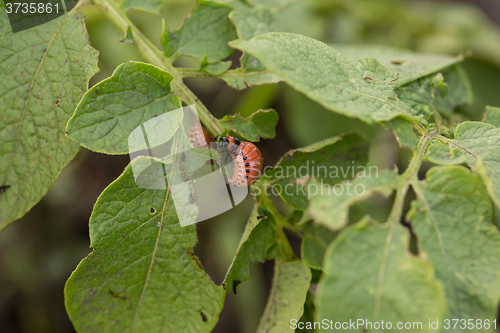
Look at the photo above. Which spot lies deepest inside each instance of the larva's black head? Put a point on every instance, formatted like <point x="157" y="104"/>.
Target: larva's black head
<point x="223" y="142"/>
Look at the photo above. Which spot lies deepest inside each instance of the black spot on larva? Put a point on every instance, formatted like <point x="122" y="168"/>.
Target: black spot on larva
<point x="246" y="177"/>
<point x="203" y="317"/>
<point x="247" y="170"/>
<point x="244" y="158"/>
<point x="152" y="210"/>
<point x="247" y="164"/>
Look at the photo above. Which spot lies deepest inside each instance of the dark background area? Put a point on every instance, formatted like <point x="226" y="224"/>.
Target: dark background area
<point x="39" y="252"/>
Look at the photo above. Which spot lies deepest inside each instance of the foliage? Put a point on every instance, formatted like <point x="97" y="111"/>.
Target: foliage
<point x="433" y="259"/>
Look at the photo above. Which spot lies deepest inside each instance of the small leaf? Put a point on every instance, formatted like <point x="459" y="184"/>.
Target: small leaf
<point x="361" y="89"/>
<point x="403" y="130"/>
<point x="218" y="67"/>
<point x="204" y="33"/>
<point x="315" y="240"/>
<point x="440" y="153"/>
<point x="142" y="274"/>
<point x="45" y="71"/>
<point x="408" y="64"/>
<point x="256" y="244"/>
<point x="329" y="206"/>
<point x="452" y="218"/>
<point x="369" y="272"/>
<point x="261" y="124"/>
<point x="482" y="140"/>
<point x="492" y="116"/>
<point x="129" y="37"/>
<point x="241" y="79"/>
<point x="149" y="6"/>
<point x="113" y="108"/>
<point x="434" y="93"/>
<point x="287" y="296"/>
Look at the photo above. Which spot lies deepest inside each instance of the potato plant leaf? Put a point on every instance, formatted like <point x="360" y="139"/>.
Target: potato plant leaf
<point x="361" y="89"/>
<point x="204" y="33"/>
<point x="45" y="72"/>
<point x="261" y="124"/>
<point x="482" y="140"/>
<point x="257" y="244"/>
<point x="440" y="153"/>
<point x="492" y="116"/>
<point x="329" y="206"/>
<point x="287" y="296"/>
<point x="149" y="6"/>
<point x="369" y="272"/>
<point x="315" y="240"/>
<point x="111" y="110"/>
<point x="452" y="218"/>
<point x="143" y="274"/>
<point x="408" y="64"/>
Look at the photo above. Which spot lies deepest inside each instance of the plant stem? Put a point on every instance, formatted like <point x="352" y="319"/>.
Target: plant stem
<point x="157" y="58"/>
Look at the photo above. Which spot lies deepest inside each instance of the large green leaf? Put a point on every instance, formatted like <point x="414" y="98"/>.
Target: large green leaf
<point x="261" y="123"/>
<point x="408" y="64"/>
<point x="257" y="243"/>
<point x="329" y="206"/>
<point x="452" y="218"/>
<point x="482" y="140"/>
<point x="287" y="296"/>
<point x="113" y="108"/>
<point x="362" y="89"/>
<point x="369" y="274"/>
<point x="204" y="33"/>
<point x="44" y="72"/>
<point x="142" y="275"/>
<point x="331" y="161"/>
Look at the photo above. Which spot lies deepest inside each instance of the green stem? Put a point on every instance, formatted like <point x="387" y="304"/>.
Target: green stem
<point x="157" y="58"/>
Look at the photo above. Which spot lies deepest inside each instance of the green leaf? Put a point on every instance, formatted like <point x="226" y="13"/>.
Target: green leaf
<point x="482" y="140"/>
<point x="204" y="33"/>
<point x="329" y="206"/>
<point x="369" y="274"/>
<point x="360" y="89"/>
<point x="149" y="6"/>
<point x="434" y="93"/>
<point x="45" y="71"/>
<point x="113" y="108"/>
<point x="261" y="124"/>
<point x="315" y="240"/>
<point x="492" y="116"/>
<point x="287" y="296"/>
<point x="440" y="153"/>
<point x="257" y="244"/>
<point x="241" y="79"/>
<point x="403" y="130"/>
<point x="459" y="93"/>
<point x="142" y="275"/>
<point x="129" y="37"/>
<point x="408" y="64"/>
<point x="452" y="218"/>
<point x="331" y="161"/>
<point x="218" y="67"/>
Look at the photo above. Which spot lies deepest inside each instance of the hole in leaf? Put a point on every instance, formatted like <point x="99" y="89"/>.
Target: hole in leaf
<point x="203" y="317"/>
<point x="152" y="210"/>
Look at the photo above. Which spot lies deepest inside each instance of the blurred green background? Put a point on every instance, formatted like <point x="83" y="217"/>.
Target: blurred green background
<point x="39" y="252"/>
